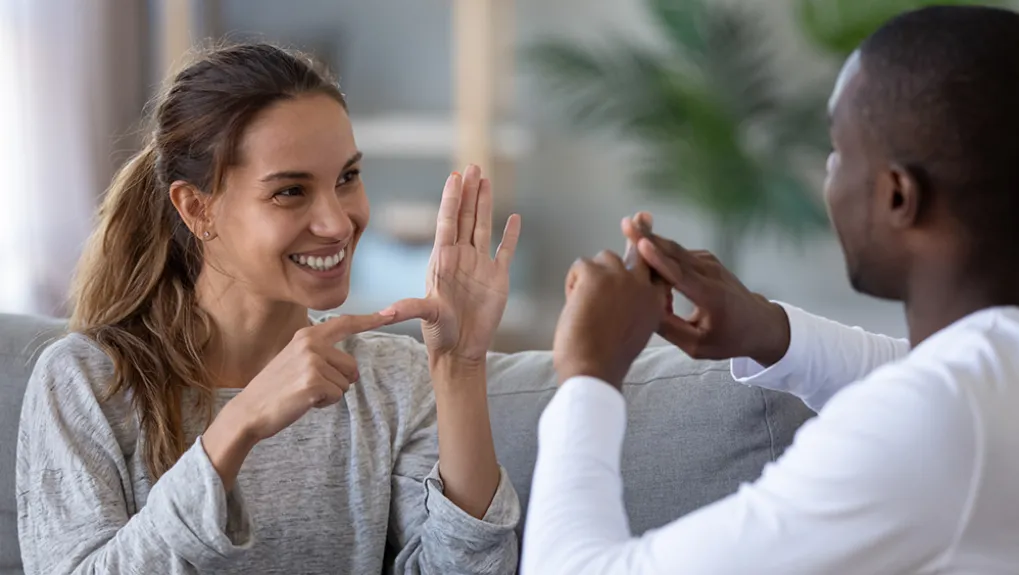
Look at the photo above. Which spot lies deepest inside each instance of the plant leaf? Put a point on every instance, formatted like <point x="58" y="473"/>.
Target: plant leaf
<point x="713" y="127"/>
<point x="840" y="26"/>
<point x="682" y="23"/>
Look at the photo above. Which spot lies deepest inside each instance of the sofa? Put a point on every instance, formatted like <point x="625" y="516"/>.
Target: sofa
<point x="694" y="434"/>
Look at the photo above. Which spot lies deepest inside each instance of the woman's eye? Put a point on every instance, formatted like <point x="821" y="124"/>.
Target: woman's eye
<point x="348" y="177"/>
<point x="290" y="192"/>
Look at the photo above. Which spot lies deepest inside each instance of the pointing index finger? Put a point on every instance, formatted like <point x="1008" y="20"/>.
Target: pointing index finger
<point x="340" y="327"/>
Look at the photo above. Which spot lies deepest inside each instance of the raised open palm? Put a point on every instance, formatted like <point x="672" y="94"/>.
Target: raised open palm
<point x="466" y="288"/>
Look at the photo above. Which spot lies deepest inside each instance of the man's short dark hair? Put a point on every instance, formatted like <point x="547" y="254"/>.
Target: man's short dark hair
<point x="940" y="96"/>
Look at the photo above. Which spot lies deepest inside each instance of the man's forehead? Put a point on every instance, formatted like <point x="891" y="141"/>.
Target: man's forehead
<point x="849" y="71"/>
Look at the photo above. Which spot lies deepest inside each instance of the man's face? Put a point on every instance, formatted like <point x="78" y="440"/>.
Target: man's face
<point x="854" y="171"/>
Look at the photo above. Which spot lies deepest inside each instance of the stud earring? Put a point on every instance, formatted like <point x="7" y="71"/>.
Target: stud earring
<point x="206" y="234"/>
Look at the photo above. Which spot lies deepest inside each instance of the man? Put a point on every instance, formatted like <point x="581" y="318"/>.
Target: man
<point x="912" y="465"/>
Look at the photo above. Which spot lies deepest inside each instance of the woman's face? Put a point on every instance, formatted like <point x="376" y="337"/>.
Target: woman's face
<point x="293" y="208"/>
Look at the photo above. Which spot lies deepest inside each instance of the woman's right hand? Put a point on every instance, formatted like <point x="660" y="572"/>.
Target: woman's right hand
<point x="309" y="372"/>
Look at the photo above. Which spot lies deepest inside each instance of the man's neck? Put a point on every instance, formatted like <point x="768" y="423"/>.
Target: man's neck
<point x="249" y="331"/>
<point x="937" y="298"/>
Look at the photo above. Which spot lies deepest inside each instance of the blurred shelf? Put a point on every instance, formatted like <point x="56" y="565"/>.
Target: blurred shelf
<point x="430" y="136"/>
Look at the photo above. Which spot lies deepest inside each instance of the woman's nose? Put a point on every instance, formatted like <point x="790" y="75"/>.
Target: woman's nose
<point x="330" y="219"/>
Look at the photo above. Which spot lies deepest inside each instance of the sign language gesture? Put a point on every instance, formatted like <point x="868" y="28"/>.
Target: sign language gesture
<point x="310" y="372"/>
<point x="729" y="320"/>
<point x="466" y="288"/>
<point x="610" y="314"/>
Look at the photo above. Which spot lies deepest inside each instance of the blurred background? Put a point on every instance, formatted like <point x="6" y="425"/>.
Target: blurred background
<point x="708" y="113"/>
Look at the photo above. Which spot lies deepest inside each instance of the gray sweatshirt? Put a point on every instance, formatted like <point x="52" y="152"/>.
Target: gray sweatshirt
<point x="351" y="488"/>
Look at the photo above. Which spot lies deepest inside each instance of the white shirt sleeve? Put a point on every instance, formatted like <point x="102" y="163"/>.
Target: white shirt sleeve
<point x="871" y="485"/>
<point x="823" y="357"/>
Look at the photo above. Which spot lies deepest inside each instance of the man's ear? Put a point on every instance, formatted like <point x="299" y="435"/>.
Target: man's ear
<point x="193" y="206"/>
<point x="900" y="195"/>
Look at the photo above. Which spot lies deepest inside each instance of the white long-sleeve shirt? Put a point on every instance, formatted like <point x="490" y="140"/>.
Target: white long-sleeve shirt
<point x="911" y="466"/>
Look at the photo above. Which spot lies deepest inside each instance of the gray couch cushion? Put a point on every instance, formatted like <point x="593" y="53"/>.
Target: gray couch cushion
<point x="21" y="340"/>
<point x="694" y="434"/>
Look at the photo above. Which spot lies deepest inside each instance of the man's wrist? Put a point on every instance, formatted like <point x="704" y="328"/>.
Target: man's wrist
<point x="592" y="370"/>
<point x="776" y="338"/>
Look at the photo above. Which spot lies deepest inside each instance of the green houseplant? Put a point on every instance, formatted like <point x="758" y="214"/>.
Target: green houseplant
<point x="839" y="26"/>
<point x="706" y="110"/>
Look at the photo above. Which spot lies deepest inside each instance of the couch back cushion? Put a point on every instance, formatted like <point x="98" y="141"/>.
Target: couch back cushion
<point x="694" y="434"/>
<point x="22" y="338"/>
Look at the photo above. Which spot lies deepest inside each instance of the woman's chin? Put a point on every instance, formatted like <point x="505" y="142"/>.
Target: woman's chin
<point x="325" y="302"/>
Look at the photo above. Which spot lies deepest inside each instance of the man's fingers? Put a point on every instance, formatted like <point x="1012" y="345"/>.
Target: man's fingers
<point x="631" y="256"/>
<point x="630" y="230"/>
<point x="449" y="211"/>
<point x="635" y="228"/>
<point x="572" y="277"/>
<point x="677" y="252"/>
<point x="679" y="275"/>
<point x="482" y="234"/>
<point x="645" y="221"/>
<point x="580" y="268"/>
<point x="338" y="328"/>
<point x="508" y="245"/>
<point x="610" y="259"/>
<point x="415" y="308"/>
<point x="468" y="205"/>
<point x="680" y="333"/>
<point x="665" y="266"/>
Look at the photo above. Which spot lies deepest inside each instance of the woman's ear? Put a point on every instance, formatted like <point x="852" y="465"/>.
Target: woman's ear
<point x="192" y="205"/>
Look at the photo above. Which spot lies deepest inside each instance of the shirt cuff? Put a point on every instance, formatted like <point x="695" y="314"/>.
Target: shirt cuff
<point x="776" y="377"/>
<point x="499" y="521"/>
<point x="586" y="418"/>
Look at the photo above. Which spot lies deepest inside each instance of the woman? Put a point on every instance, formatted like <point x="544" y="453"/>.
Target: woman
<point x="195" y="421"/>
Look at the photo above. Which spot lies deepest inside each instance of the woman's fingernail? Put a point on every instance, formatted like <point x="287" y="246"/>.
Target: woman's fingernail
<point x="388" y="312"/>
<point x="455" y="175"/>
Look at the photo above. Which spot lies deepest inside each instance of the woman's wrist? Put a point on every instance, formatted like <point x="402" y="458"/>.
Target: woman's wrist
<point x="227" y="442"/>
<point x="455" y="372"/>
<point x="467" y="461"/>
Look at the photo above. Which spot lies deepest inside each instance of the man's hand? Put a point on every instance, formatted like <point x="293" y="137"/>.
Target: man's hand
<point x="729" y="320"/>
<point x="610" y="314"/>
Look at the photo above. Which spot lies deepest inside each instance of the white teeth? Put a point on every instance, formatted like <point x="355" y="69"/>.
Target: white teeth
<point x="320" y="263"/>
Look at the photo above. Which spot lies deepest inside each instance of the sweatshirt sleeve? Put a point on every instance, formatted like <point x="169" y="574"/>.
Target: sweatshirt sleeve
<point x="430" y="533"/>
<point x="823" y="357"/>
<point x="74" y="514"/>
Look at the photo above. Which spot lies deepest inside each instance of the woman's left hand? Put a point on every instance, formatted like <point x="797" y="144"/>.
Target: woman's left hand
<point x="466" y="288"/>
